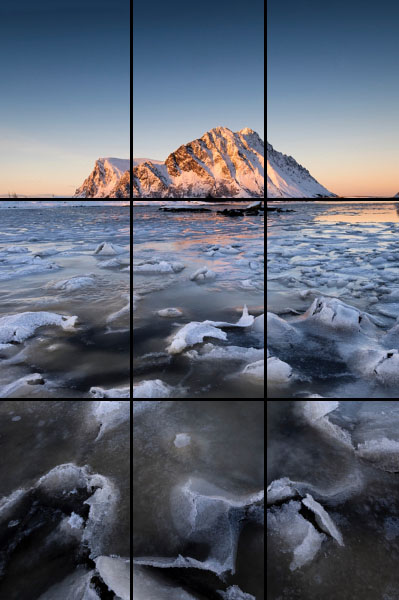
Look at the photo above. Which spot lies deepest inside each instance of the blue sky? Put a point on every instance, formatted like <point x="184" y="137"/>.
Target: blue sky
<point x="333" y="91"/>
<point x="196" y="65"/>
<point x="64" y="91"/>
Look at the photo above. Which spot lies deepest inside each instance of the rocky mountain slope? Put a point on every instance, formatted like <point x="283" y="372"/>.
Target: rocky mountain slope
<point x="221" y="164"/>
<point x="288" y="179"/>
<point x="104" y="180"/>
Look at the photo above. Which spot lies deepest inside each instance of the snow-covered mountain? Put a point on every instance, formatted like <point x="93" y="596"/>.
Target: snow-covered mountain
<point x="122" y="188"/>
<point x="288" y="179"/>
<point x="221" y="164"/>
<point x="139" y="161"/>
<point x="104" y="179"/>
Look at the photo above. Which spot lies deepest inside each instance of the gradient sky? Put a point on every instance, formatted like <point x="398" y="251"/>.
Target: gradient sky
<point x="64" y="91"/>
<point x="196" y="65"/>
<point x="333" y="91"/>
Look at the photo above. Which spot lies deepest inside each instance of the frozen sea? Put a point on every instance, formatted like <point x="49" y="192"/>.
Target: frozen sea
<point x="64" y="302"/>
<point x="208" y="267"/>
<point x="333" y="300"/>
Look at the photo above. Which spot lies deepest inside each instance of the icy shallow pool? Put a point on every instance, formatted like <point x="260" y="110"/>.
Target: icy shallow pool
<point x="68" y="269"/>
<point x="208" y="267"/>
<point x="333" y="300"/>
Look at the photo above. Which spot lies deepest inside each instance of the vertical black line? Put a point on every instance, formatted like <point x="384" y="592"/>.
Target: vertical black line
<point x="131" y="498"/>
<point x="131" y="297"/>
<point x="131" y="98"/>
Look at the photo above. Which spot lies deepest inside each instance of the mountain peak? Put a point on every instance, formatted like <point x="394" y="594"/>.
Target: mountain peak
<point x="104" y="179"/>
<point x="220" y="164"/>
<point x="288" y="179"/>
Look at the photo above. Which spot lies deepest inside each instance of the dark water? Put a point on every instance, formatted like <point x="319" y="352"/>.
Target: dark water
<point x="360" y="497"/>
<point x="64" y="497"/>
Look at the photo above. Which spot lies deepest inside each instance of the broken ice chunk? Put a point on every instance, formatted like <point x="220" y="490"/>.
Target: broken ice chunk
<point x="383" y="453"/>
<point x="193" y="333"/>
<point x="255" y="370"/>
<point x="18" y="328"/>
<point x="152" y="389"/>
<point x="115" y="572"/>
<point x="322" y="518"/>
<point x="181" y="440"/>
<point x="294" y="533"/>
<point x="235" y="593"/>
<point x="108" y="249"/>
<point x="203" y="274"/>
<point x="278" y="371"/>
<point x="281" y="489"/>
<point x="307" y="550"/>
<point x="170" y="312"/>
<point x="98" y="392"/>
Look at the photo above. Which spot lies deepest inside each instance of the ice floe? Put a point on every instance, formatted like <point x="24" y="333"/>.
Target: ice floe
<point x="74" y="586"/>
<point x="110" y="414"/>
<point x="278" y="371"/>
<point x="211" y="352"/>
<point x="20" y="384"/>
<point x="35" y="266"/>
<point x="323" y="518"/>
<point x="295" y="533"/>
<point x="316" y="414"/>
<point x="109" y="249"/>
<point x="182" y="440"/>
<point x="154" y="266"/>
<point x="255" y="370"/>
<point x="152" y="389"/>
<point x="115" y="572"/>
<point x="111" y="264"/>
<point x="16" y="249"/>
<point x="193" y="333"/>
<point x="169" y="312"/>
<point x="203" y="274"/>
<point x="98" y="392"/>
<point x="281" y="489"/>
<point x="259" y="324"/>
<point x="382" y="453"/>
<point x="74" y="283"/>
<point x="235" y="593"/>
<point x="18" y="328"/>
<point x="124" y="311"/>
